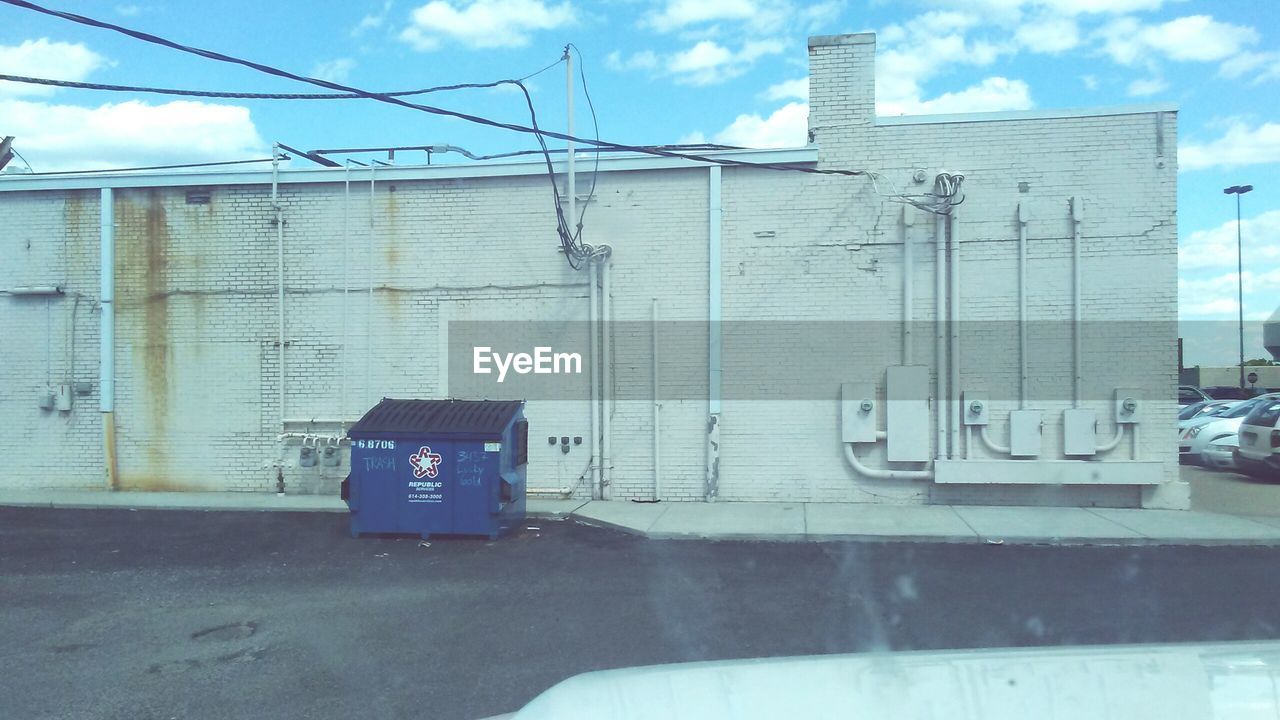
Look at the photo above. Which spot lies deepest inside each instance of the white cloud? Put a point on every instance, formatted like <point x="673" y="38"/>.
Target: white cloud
<point x="991" y="95"/>
<point x="1216" y="247"/>
<point x="483" y="23"/>
<point x="788" y="126"/>
<point x="1048" y="34"/>
<point x="337" y="70"/>
<point x="1216" y="294"/>
<point x="788" y="89"/>
<point x="1014" y="9"/>
<point x="373" y="21"/>
<point x="642" y="60"/>
<point x="1239" y="145"/>
<point x="694" y="138"/>
<point x="128" y="10"/>
<point x="1191" y="38"/>
<point x="1090" y="82"/>
<point x="1146" y="86"/>
<point x="1263" y="65"/>
<point x="42" y="58"/>
<point x="923" y="48"/>
<point x="677" y="14"/>
<point x="132" y="133"/>
<point x="708" y="62"/>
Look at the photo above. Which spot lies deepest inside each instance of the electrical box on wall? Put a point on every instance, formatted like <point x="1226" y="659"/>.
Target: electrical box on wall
<point x="907" y="413"/>
<point x="1079" y="432"/>
<point x="857" y="413"/>
<point x="975" y="408"/>
<point x="1024" y="433"/>
<point x="1127" y="406"/>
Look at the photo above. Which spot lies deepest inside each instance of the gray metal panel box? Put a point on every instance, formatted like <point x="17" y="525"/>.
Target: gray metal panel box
<point x="1128" y="406"/>
<point x="1079" y="432"/>
<point x="907" y="413"/>
<point x="1024" y="433"/>
<point x="857" y="423"/>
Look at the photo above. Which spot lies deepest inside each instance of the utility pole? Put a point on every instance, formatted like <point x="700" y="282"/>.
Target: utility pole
<point x="1239" y="190"/>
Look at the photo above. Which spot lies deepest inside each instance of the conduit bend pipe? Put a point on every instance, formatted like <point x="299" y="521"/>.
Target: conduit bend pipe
<point x="991" y="444"/>
<point x="1113" y="442"/>
<point x="877" y="474"/>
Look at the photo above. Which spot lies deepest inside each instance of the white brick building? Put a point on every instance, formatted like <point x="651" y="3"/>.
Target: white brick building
<point x="803" y="271"/>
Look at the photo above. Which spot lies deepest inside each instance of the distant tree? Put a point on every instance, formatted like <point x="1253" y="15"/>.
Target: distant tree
<point x="1260" y="361"/>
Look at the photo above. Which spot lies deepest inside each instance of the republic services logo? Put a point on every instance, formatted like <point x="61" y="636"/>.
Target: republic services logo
<point x="425" y="463"/>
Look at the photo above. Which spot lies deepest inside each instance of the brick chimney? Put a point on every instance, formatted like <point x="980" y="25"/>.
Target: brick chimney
<point x="842" y="84"/>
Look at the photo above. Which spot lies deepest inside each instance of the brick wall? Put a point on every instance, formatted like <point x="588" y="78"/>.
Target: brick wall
<point x="198" y="397"/>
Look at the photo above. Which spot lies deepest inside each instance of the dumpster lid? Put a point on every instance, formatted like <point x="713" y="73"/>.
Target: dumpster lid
<point x="487" y="417"/>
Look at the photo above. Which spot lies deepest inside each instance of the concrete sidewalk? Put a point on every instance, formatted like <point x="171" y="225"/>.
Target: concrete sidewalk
<point x="774" y="521"/>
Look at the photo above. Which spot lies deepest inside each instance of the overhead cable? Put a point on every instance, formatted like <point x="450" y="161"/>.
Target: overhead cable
<point x="382" y="97"/>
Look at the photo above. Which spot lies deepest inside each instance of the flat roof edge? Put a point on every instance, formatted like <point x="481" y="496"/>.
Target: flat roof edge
<point x="15" y="182"/>
<point x="1027" y="114"/>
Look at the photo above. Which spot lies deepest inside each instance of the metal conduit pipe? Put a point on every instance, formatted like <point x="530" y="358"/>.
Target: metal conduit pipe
<point x="954" y="409"/>
<point x="280" y="328"/>
<point x="1077" y="215"/>
<point x="346" y="288"/>
<point x="877" y="474"/>
<point x="606" y="380"/>
<point x="1114" y="442"/>
<point x="908" y="291"/>
<point x="657" y="410"/>
<point x="991" y="444"/>
<point x="368" y="320"/>
<point x="107" y="332"/>
<point x="593" y="349"/>
<point x="1022" y="307"/>
<point x="939" y="327"/>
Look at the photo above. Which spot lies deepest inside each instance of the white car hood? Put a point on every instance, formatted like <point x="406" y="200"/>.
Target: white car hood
<point x="1187" y="682"/>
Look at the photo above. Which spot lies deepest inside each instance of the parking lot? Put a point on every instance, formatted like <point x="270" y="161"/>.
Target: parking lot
<point x="162" y="614"/>
<point x="1228" y="492"/>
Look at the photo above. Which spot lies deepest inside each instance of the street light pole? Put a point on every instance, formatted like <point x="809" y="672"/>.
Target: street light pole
<point x="1239" y="190"/>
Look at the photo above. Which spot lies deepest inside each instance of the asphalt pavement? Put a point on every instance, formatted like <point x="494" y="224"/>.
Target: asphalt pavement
<point x="170" y="614"/>
<point x="1223" y="491"/>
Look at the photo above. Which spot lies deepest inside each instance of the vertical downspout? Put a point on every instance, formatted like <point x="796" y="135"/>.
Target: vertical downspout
<point x="713" y="336"/>
<point x="1022" y="308"/>
<point x="908" y="290"/>
<point x="953" y="342"/>
<point x="569" y="153"/>
<point x="368" y="321"/>
<point x="107" y="333"/>
<point x="346" y="291"/>
<point x="280" y="329"/>
<point x="940" y="329"/>
<point x="1077" y="215"/>
<point x="657" y="411"/>
<point x="606" y="381"/>
<point x="593" y="366"/>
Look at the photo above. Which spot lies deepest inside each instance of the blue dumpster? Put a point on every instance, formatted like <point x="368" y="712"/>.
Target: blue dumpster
<point x="438" y="467"/>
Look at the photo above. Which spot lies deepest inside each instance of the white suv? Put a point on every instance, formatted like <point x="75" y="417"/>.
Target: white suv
<point x="1259" y="451"/>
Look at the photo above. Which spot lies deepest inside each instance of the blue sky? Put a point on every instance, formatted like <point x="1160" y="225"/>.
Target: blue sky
<point x="663" y="71"/>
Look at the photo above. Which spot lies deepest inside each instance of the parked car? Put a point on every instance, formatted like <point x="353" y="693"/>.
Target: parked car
<point x="1189" y="394"/>
<point x="1259" y="451"/>
<point x="1229" y="392"/>
<point x="1201" y="431"/>
<point x="1220" y="454"/>
<point x="1201" y="409"/>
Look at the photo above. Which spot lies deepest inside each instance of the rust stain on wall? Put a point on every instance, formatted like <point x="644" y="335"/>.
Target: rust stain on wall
<point x="390" y="237"/>
<point x="143" y="246"/>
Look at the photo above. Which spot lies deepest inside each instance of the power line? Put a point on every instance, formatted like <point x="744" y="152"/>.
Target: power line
<point x="381" y="97"/>
<point x="156" y="167"/>
<point x="30" y="169"/>
<point x="245" y="95"/>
